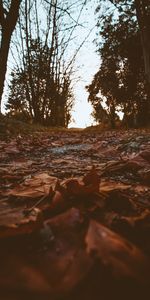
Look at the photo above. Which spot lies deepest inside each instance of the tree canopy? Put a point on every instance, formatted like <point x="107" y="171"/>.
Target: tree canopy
<point x="121" y="79"/>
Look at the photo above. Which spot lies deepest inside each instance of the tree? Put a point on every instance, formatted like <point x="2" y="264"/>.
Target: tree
<point x="44" y="59"/>
<point x="9" y="13"/>
<point x="53" y="99"/>
<point x="142" y="8"/>
<point x="143" y="17"/>
<point x="120" y="78"/>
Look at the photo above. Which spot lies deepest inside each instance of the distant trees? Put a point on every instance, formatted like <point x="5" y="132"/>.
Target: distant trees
<point x="41" y="84"/>
<point x="9" y="12"/>
<point x="121" y="79"/>
<point x="49" y="100"/>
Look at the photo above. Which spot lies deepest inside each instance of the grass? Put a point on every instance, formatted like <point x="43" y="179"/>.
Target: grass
<point x="11" y="127"/>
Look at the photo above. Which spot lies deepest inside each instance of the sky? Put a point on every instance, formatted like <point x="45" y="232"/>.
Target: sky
<point x="82" y="109"/>
<point x="87" y="64"/>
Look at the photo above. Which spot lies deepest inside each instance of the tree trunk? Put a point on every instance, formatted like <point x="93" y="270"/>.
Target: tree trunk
<point x="144" y="25"/>
<point x="8" y="20"/>
<point x="4" y="50"/>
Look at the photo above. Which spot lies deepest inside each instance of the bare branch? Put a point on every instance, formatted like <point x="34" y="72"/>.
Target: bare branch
<point x="65" y="11"/>
<point x="79" y="48"/>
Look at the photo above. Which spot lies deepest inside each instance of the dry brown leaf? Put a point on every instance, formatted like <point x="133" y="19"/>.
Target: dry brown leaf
<point x="41" y="179"/>
<point x="92" y="178"/>
<point x="82" y="187"/>
<point x="108" y="186"/>
<point x="112" y="250"/>
<point x="37" y="186"/>
<point x="56" y="269"/>
<point x="68" y="262"/>
<point x="140" y="220"/>
<point x="14" y="221"/>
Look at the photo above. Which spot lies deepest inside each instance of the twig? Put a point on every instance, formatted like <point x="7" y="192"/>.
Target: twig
<point x="28" y="211"/>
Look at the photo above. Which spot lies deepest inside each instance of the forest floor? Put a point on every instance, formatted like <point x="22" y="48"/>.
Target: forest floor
<point x="75" y="215"/>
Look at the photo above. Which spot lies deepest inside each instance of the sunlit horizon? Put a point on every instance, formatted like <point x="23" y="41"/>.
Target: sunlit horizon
<point x="81" y="115"/>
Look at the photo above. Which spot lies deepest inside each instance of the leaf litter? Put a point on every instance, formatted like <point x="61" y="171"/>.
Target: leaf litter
<point x="75" y="215"/>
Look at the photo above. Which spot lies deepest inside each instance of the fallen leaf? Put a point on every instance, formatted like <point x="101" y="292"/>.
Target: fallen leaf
<point x="108" y="186"/>
<point x="37" y="186"/>
<point x="82" y="187"/>
<point x="112" y="250"/>
<point x="14" y="221"/>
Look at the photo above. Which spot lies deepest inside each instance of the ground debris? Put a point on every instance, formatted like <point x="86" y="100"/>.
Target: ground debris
<point x="75" y="212"/>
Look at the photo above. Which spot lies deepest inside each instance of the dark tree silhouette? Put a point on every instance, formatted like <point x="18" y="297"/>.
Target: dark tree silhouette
<point x="120" y="78"/>
<point x="8" y="20"/>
